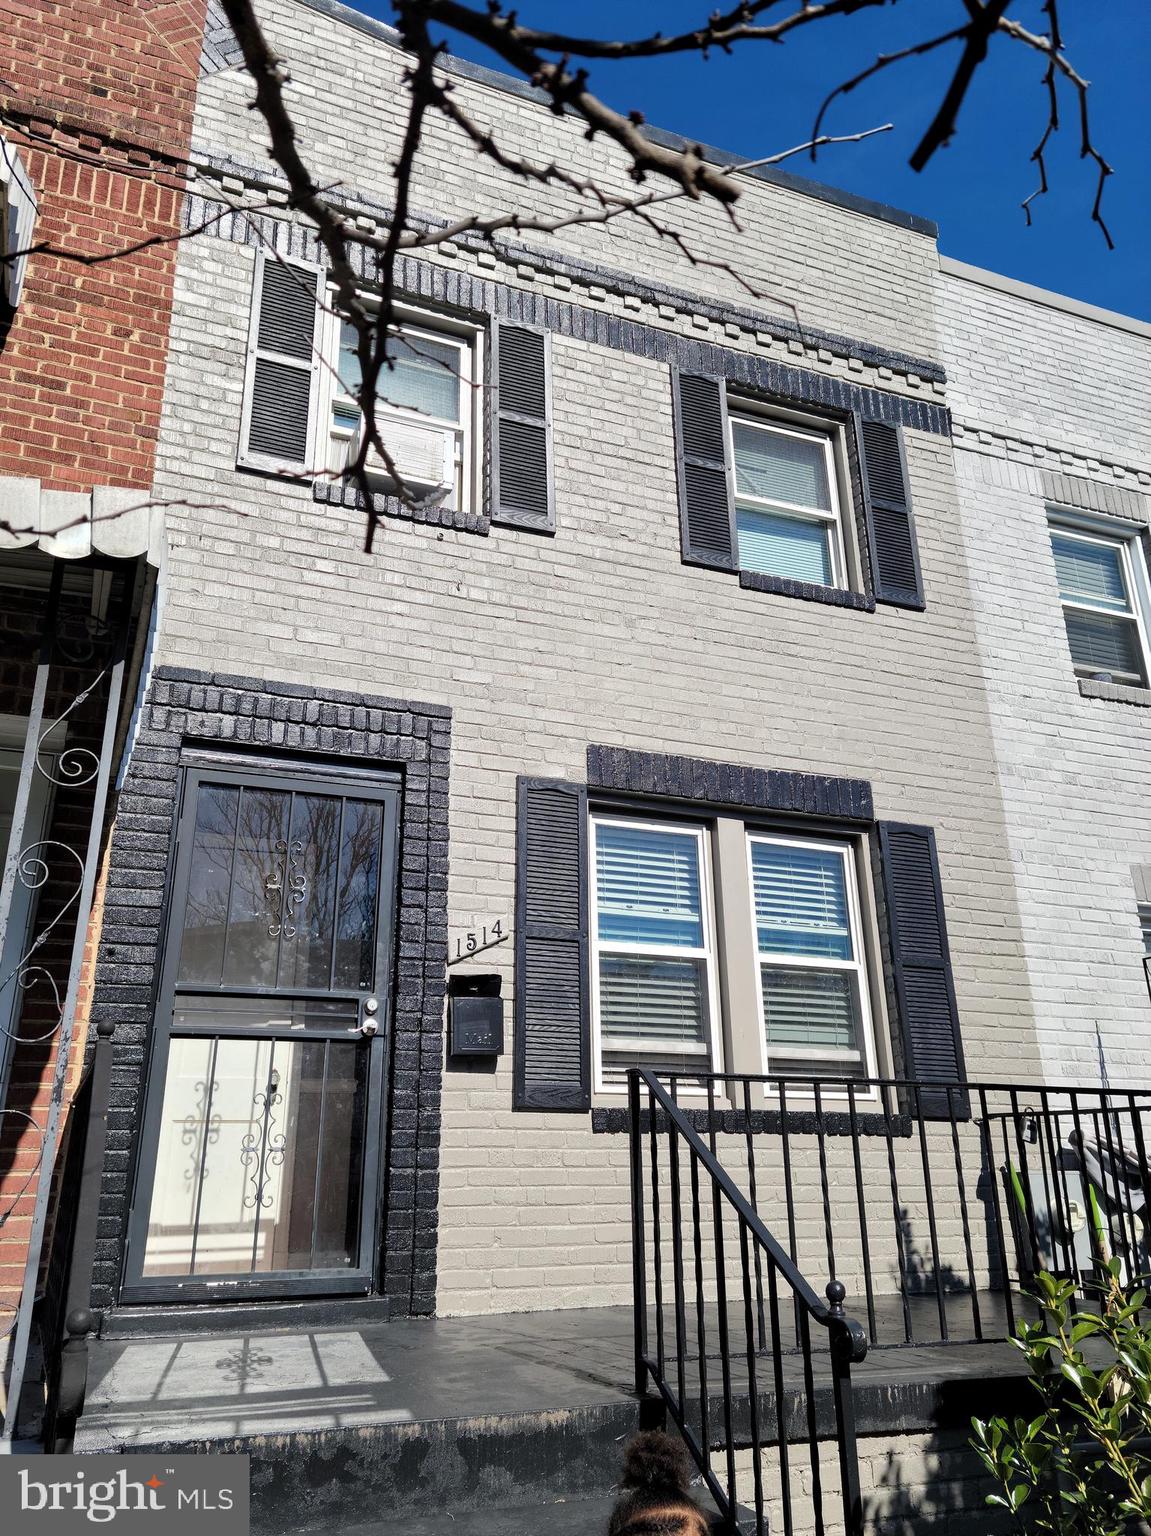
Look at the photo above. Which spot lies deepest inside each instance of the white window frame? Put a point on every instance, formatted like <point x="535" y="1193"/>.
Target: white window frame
<point x="858" y="966"/>
<point x="710" y="1058"/>
<point x="415" y="324"/>
<point x="740" y="414"/>
<point x="18" y="210"/>
<point x="1133" y="568"/>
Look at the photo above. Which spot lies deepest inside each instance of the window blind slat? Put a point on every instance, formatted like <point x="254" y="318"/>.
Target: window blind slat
<point x="778" y="467"/>
<point x="1103" y="643"/>
<point x="1090" y="573"/>
<point x="810" y="1009"/>
<point x="800" y="901"/>
<point x="652" y="1001"/>
<point x="647" y="886"/>
<point x="778" y="545"/>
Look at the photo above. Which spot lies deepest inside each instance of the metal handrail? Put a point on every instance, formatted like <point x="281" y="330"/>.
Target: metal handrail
<point x="759" y="1250"/>
<point x="819" y="1310"/>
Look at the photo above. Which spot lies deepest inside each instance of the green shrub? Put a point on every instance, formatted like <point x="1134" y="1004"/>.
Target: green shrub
<point x="1082" y="1466"/>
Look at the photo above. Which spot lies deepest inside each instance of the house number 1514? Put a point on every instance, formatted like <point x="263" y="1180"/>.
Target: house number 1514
<point x="473" y="943"/>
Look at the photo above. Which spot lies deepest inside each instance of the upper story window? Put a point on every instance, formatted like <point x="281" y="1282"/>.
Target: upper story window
<point x="786" y="501"/>
<point x="17" y="219"/>
<point x="1104" y="591"/>
<point x="655" y="963"/>
<point x="427" y="409"/>
<point x="796" y="972"/>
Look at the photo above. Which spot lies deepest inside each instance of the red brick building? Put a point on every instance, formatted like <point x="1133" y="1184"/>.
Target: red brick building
<point x="96" y="103"/>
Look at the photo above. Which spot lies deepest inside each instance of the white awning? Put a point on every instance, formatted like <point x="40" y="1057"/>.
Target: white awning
<point x="113" y="520"/>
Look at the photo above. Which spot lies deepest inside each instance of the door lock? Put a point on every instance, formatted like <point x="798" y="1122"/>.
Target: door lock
<point x="369" y="1020"/>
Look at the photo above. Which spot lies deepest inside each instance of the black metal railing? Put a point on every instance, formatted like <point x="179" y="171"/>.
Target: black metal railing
<point x="935" y="1204"/>
<point x="771" y="1428"/>
<point x="65" y="1319"/>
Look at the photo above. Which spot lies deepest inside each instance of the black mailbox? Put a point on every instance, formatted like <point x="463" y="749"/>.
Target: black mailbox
<point x="475" y="1016"/>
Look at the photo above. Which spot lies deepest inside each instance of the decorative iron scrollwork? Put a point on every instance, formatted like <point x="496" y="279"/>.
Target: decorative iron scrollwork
<point x="287" y="887"/>
<point x="74" y="766"/>
<point x="32" y="870"/>
<point x="264" y="1150"/>
<point x="201" y="1129"/>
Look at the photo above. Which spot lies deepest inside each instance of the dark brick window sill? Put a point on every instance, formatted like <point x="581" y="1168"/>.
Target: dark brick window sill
<point x="334" y="495"/>
<point x="1118" y="693"/>
<point x="809" y="591"/>
<point x="764" y="1122"/>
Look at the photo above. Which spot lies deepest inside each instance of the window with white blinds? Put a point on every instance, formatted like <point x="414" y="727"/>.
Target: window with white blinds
<point x="653" y="948"/>
<point x="786" y="506"/>
<point x="812" y="983"/>
<point x="1102" y="586"/>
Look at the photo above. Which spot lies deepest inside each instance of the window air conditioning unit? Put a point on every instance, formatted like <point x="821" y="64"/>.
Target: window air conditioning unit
<point x="424" y="456"/>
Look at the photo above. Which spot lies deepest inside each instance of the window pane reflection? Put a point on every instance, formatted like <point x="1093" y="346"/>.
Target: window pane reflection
<point x="260" y="1157"/>
<point x="283" y="891"/>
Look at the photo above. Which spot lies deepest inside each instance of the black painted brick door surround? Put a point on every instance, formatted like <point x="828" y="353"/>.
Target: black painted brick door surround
<point x="189" y="708"/>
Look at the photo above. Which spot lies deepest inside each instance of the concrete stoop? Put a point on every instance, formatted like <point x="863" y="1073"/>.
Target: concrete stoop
<point x="491" y="1426"/>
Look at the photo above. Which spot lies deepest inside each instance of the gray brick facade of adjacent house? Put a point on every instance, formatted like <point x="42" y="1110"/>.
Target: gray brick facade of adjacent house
<point x="1052" y="422"/>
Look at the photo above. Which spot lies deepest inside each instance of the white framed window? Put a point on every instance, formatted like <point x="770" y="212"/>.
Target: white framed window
<point x="1104" y="590"/>
<point x="787" y="504"/>
<point x="17" y="221"/>
<point x="811" y="967"/>
<point x="654" y="994"/>
<point x="428" y="405"/>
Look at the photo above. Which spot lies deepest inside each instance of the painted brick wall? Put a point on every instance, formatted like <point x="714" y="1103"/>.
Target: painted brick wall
<point x="102" y="92"/>
<point x="800" y="257"/>
<point x="1071" y="395"/>
<point x="542" y="646"/>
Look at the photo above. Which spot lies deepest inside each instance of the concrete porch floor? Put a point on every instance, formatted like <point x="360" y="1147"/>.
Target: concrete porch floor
<point x="403" y="1371"/>
<point x="346" y="1426"/>
<point x="208" y="1386"/>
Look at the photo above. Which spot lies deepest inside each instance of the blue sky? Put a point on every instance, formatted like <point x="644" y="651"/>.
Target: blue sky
<point x="761" y="99"/>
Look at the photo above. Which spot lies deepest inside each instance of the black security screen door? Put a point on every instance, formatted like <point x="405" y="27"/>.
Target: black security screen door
<point x="261" y="1149"/>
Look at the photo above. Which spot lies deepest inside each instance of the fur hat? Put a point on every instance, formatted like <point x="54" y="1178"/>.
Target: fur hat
<point x="656" y="1490"/>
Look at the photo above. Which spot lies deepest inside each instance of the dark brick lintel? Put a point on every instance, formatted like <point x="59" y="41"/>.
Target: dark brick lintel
<point x="766" y="789"/>
<point x="276" y="689"/>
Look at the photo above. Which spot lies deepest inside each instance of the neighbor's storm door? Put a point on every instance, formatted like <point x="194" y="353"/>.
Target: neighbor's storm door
<point x="261" y="1155"/>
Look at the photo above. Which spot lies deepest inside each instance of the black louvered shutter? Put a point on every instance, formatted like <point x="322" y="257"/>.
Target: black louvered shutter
<point x="552" y="1054"/>
<point x="706" y="508"/>
<point x="921" y="964"/>
<point x="281" y="363"/>
<point x="522" y="488"/>
<point x="890" y="525"/>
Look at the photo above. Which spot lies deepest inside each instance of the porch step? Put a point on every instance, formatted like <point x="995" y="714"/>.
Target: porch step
<point x="569" y="1517"/>
<point x="394" y="1422"/>
<point x="244" y="1317"/>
